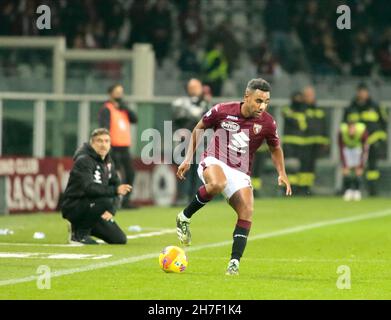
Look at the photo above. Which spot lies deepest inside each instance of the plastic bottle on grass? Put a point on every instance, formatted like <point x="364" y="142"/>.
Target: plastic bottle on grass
<point x="4" y="232"/>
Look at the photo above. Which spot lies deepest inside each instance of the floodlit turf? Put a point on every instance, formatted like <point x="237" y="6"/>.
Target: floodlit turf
<point x="285" y="263"/>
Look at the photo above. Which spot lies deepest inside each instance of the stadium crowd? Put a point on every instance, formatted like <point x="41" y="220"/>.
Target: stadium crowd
<point x="206" y="37"/>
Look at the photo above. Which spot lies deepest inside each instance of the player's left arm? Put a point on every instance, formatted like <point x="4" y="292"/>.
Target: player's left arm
<point x="277" y="156"/>
<point x="132" y="116"/>
<point x="114" y="178"/>
<point x="273" y="141"/>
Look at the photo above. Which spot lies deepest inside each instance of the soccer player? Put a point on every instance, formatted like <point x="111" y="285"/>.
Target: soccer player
<point x="239" y="130"/>
<point x="353" y="144"/>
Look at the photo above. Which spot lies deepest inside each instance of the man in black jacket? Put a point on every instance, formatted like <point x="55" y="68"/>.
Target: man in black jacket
<point x="93" y="186"/>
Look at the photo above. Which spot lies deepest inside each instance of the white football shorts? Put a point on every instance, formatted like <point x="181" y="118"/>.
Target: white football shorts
<point x="352" y="156"/>
<point x="235" y="179"/>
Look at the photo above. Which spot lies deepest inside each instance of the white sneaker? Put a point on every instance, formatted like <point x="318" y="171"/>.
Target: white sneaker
<point x="233" y="268"/>
<point x="348" y="196"/>
<point x="183" y="229"/>
<point x="357" y="195"/>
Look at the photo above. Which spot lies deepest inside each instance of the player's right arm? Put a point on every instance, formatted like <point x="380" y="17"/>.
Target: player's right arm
<point x="195" y="140"/>
<point x="209" y="120"/>
<point x="277" y="156"/>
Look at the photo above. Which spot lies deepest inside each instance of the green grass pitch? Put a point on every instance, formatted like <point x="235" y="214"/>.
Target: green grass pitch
<point x="295" y="248"/>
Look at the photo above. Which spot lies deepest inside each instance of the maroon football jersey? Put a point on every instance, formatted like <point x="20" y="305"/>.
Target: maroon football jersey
<point x="236" y="138"/>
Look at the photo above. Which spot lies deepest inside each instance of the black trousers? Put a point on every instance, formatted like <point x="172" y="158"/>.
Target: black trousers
<point x="124" y="163"/>
<point x="307" y="157"/>
<point x="372" y="172"/>
<point x="86" y="214"/>
<point x="303" y="178"/>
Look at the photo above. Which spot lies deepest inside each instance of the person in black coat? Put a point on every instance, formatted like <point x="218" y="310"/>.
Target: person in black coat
<point x="89" y="200"/>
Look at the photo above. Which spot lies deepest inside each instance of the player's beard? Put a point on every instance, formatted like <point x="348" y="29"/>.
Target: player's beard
<point x="257" y="114"/>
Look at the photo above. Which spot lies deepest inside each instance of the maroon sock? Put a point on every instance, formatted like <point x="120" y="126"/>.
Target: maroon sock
<point x="240" y="235"/>
<point x="203" y="195"/>
<point x="202" y="198"/>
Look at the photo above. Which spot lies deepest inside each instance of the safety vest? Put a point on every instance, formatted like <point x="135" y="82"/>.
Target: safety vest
<point x="220" y="71"/>
<point x="119" y="126"/>
<point x="299" y="117"/>
<point x="355" y="140"/>
<point x="372" y="117"/>
<point x="316" y="133"/>
<point x="304" y="127"/>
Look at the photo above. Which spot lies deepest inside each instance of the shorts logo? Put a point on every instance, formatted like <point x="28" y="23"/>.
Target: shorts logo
<point x="230" y="126"/>
<point x="257" y="128"/>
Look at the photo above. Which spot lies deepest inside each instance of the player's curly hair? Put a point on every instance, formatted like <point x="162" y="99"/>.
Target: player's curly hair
<point x="258" y="84"/>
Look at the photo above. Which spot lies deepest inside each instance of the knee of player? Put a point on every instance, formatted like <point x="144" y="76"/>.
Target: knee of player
<point x="120" y="239"/>
<point x="123" y="240"/>
<point x="246" y="213"/>
<point x="217" y="186"/>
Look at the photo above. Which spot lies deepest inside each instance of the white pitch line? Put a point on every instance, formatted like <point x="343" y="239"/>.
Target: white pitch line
<point x="151" y="234"/>
<point x="306" y="260"/>
<point x="296" y="229"/>
<point x="130" y="237"/>
<point x="63" y="245"/>
<point x="46" y="255"/>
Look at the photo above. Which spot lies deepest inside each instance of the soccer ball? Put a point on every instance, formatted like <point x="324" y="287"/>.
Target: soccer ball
<point x="173" y="259"/>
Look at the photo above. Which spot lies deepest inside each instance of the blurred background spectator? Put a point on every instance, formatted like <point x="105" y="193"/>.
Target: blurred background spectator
<point x="160" y="25"/>
<point x="270" y="37"/>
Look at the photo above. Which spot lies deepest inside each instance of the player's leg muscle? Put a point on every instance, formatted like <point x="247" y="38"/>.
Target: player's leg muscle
<point x="242" y="201"/>
<point x="215" y="179"/>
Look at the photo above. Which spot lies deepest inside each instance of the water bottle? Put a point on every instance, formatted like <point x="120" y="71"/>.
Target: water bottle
<point x="134" y="228"/>
<point x="39" y="235"/>
<point x="4" y="232"/>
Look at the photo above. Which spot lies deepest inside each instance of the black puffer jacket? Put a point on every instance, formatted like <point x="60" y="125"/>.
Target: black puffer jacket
<point x="90" y="177"/>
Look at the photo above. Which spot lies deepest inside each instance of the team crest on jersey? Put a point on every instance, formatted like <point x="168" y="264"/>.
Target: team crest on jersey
<point x="230" y="126"/>
<point x="97" y="177"/>
<point x="257" y="128"/>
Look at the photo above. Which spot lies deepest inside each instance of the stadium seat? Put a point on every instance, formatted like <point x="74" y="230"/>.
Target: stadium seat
<point x="239" y="20"/>
<point x="217" y="4"/>
<point x="218" y="18"/>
